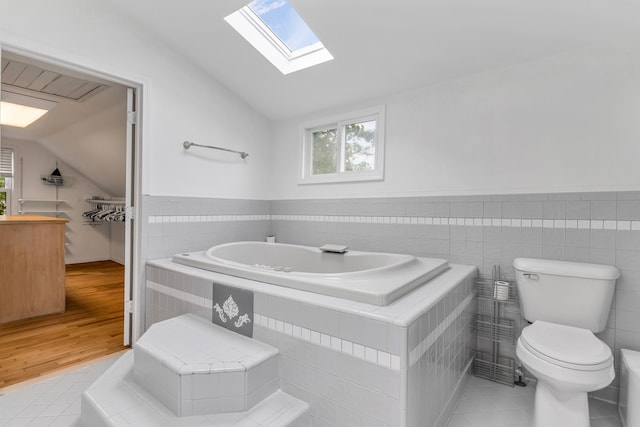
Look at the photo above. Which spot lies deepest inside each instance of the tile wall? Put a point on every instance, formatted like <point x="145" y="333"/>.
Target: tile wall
<point x="442" y="345"/>
<point x="184" y="224"/>
<point x="479" y="230"/>
<point x="487" y="231"/>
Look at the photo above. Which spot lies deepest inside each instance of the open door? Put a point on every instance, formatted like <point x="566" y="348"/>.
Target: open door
<point x="129" y="269"/>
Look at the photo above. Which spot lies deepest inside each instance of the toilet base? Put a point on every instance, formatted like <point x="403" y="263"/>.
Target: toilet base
<point x="554" y="408"/>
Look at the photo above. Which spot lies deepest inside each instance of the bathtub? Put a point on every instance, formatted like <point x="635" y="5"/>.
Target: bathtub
<point x="629" y="402"/>
<point x="368" y="277"/>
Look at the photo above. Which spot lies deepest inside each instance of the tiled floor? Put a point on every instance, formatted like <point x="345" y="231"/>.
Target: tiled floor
<point x="56" y="402"/>
<point x="484" y="403"/>
<point x="52" y="402"/>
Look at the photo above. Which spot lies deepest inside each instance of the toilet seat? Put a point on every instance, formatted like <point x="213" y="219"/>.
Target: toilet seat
<point x="566" y="346"/>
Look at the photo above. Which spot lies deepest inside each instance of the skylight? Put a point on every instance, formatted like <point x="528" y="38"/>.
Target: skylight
<point x="285" y="22"/>
<point x="278" y="32"/>
<point x="21" y="110"/>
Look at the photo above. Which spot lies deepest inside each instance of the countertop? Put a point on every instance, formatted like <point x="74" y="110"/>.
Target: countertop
<point x="21" y="219"/>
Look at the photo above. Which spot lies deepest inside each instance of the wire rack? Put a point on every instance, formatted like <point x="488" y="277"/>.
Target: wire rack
<point x="496" y="329"/>
<point x="491" y="289"/>
<point x="500" y="369"/>
<point x="493" y="294"/>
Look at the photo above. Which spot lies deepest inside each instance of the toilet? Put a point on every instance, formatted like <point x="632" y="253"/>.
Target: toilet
<point x="566" y="302"/>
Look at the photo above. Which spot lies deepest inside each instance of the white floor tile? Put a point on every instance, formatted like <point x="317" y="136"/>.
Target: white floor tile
<point x="54" y="402"/>
<point x="487" y="404"/>
<point x="606" y="422"/>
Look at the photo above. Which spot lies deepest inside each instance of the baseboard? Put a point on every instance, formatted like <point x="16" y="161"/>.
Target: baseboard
<point x="83" y="260"/>
<point x="118" y="260"/>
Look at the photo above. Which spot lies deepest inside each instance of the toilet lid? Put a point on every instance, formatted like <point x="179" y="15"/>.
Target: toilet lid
<point x="566" y="346"/>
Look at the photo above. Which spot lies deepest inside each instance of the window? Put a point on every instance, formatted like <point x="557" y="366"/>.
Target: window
<point x="6" y="179"/>
<point x="349" y="148"/>
<point x="278" y="32"/>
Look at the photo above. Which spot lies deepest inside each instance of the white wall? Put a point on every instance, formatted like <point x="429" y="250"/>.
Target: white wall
<point x="96" y="145"/>
<point x="85" y="243"/>
<point x="181" y="101"/>
<point x="563" y="124"/>
<point x="117" y="246"/>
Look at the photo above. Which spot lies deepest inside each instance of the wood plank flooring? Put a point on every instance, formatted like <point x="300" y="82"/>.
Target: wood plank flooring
<point x="91" y="327"/>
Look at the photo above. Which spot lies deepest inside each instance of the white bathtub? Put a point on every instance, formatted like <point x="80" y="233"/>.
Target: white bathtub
<point x="369" y="277"/>
<point x="629" y="402"/>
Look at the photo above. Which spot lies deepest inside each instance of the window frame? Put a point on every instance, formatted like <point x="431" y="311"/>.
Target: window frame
<point x="9" y="179"/>
<point x="339" y="122"/>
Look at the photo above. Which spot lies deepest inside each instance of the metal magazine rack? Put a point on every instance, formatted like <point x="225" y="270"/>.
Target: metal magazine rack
<point x="494" y="293"/>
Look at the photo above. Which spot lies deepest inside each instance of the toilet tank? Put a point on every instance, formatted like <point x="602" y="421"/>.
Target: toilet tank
<point x="569" y="293"/>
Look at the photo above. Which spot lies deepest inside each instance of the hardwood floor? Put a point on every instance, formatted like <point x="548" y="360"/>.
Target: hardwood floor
<point x="91" y="327"/>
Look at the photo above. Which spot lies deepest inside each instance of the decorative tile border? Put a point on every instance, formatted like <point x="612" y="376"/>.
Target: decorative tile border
<point x="412" y="220"/>
<point x="158" y="219"/>
<point x="359" y="351"/>
<point x="469" y="222"/>
<point x="419" y="350"/>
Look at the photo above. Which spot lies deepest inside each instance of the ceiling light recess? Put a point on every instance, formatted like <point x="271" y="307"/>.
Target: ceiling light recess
<point x="286" y="55"/>
<point x="20" y="110"/>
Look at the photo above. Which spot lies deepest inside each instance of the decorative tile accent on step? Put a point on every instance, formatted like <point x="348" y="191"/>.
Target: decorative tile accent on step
<point x="359" y="351"/>
<point x="233" y="309"/>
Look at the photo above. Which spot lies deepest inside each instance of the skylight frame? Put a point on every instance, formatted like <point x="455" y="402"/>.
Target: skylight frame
<point x="253" y="29"/>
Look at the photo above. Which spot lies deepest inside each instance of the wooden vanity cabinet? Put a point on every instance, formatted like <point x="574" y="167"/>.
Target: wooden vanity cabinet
<point x="32" y="268"/>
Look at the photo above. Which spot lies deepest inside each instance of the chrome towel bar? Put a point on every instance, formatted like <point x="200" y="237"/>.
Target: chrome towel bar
<point x="188" y="144"/>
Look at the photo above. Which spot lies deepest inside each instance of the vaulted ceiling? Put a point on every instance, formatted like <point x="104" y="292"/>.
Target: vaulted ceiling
<point x="380" y="47"/>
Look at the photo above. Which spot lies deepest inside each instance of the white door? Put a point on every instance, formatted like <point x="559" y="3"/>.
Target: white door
<point x="129" y="269"/>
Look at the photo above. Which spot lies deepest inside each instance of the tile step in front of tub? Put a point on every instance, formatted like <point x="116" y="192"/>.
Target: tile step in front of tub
<point x="197" y="368"/>
<point x="115" y="399"/>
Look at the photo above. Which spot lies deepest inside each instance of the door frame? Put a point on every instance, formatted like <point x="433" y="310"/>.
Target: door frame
<point x="140" y="85"/>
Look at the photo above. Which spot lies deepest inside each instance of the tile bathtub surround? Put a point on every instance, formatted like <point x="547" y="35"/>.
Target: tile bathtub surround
<point x="194" y="295"/>
<point x="442" y="343"/>
<point x="348" y="360"/>
<point x="476" y="230"/>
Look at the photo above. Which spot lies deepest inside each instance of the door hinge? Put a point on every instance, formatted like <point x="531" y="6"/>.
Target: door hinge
<point x="129" y="213"/>
<point x="132" y="117"/>
<point x="128" y="306"/>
